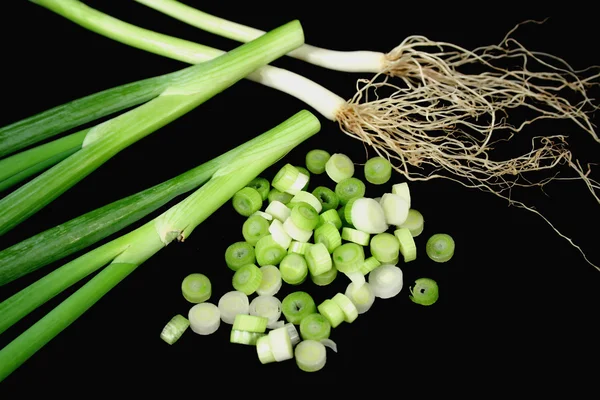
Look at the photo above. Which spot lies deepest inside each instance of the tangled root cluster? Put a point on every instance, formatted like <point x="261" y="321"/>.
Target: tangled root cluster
<point x="444" y="120"/>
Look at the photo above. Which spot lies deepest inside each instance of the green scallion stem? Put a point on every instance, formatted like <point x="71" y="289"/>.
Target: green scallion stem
<point x="129" y="251"/>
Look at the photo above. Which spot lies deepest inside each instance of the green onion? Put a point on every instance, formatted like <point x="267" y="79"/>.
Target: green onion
<point x="281" y="344"/>
<point x="244" y="337"/>
<point x="355" y="236"/>
<point x="425" y="292"/>
<point x="386" y="281"/>
<point x="174" y="329"/>
<point x="347" y="307"/>
<point x="324" y="278"/>
<point x="293" y="333"/>
<point x="233" y="303"/>
<point x="306" y="197"/>
<point x="385" y="248"/>
<point x="349" y="188"/>
<point x="271" y="281"/>
<point x="278" y="210"/>
<point x="305" y="172"/>
<point x="332" y="311"/>
<point x="108" y="138"/>
<point x="268" y="251"/>
<point x="440" y="247"/>
<point x="304" y="216"/>
<point x="298" y="247"/>
<point x="276" y="195"/>
<point x="287" y="179"/>
<point x="205" y="318"/>
<point x="196" y="288"/>
<point x="366" y="215"/>
<point x="328" y="235"/>
<point x="247" y="279"/>
<point x="363" y="297"/>
<point x="262" y="185"/>
<point x="310" y="355"/>
<point x="239" y="254"/>
<point x="402" y="190"/>
<point x="332" y="217"/>
<point x="318" y="259"/>
<point x="414" y="222"/>
<point x="378" y="170"/>
<point x="295" y="232"/>
<point x="408" y="248"/>
<point x="327" y="197"/>
<point x="316" y="159"/>
<point x="297" y="305"/>
<point x="247" y="201"/>
<point x="250" y="323"/>
<point x="266" y="306"/>
<point x="395" y="208"/>
<point x="279" y="234"/>
<point x="348" y="257"/>
<point x="263" y="350"/>
<point x="254" y="228"/>
<point x="369" y="265"/>
<point x="315" y="327"/>
<point x="339" y="167"/>
<point x="294" y="269"/>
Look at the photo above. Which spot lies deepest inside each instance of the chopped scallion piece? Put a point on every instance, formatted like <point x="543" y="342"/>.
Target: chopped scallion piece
<point x="263" y="350"/>
<point x="386" y="281"/>
<point x="328" y="235"/>
<point x="327" y="197"/>
<point x="231" y="304"/>
<point x="408" y="248"/>
<point x="378" y="170"/>
<point x="316" y="160"/>
<point x="366" y="215"/>
<point x="299" y="247"/>
<point x="174" y="329"/>
<point x="297" y="305"/>
<point x="307" y="197"/>
<point x="315" y="327"/>
<point x="332" y="311"/>
<point x="245" y="337"/>
<point x="247" y="279"/>
<point x="339" y="167"/>
<point x="285" y="178"/>
<point x="278" y="210"/>
<point x="250" y="323"/>
<point x="318" y="259"/>
<point x="271" y="281"/>
<point x="362" y="297"/>
<point x="239" y="254"/>
<point x="262" y="185"/>
<point x="325" y="278"/>
<point x="268" y="307"/>
<point x="395" y="208"/>
<point x="292" y="333"/>
<point x="414" y="222"/>
<point x="205" y="318"/>
<point x="402" y="190"/>
<point x="355" y="236"/>
<point x="349" y="188"/>
<point x="346" y="305"/>
<point x="281" y="344"/>
<point x="196" y="288"/>
<point x="305" y="172"/>
<point x="310" y="355"/>
<point x="425" y="292"/>
<point x="277" y="231"/>
<point x="268" y="251"/>
<point x="304" y="216"/>
<point x="247" y="201"/>
<point x="385" y="247"/>
<point x="295" y="232"/>
<point x="440" y="247"/>
<point x="332" y="217"/>
<point x="254" y="228"/>
<point x="369" y="265"/>
<point x="348" y="257"/>
<point x="294" y="269"/>
<point x="277" y="195"/>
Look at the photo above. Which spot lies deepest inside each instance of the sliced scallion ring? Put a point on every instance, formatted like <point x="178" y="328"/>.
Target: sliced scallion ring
<point x="339" y="167"/>
<point x="327" y="198"/>
<point x="402" y="190"/>
<point x="395" y="209"/>
<point x="277" y="231"/>
<point x="329" y="343"/>
<point x="278" y="210"/>
<point x="362" y="297"/>
<point x="271" y="281"/>
<point x="440" y="247"/>
<point x="366" y="215"/>
<point x="263" y="350"/>
<point x="263" y="214"/>
<point x="231" y="304"/>
<point x="293" y="269"/>
<point x="261" y="185"/>
<point x="307" y="197"/>
<point x="247" y="201"/>
<point x="310" y="355"/>
<point x="378" y="170"/>
<point x="250" y="323"/>
<point x="305" y="172"/>
<point x="414" y="222"/>
<point x="325" y="278"/>
<point x="174" y="329"/>
<point x="315" y="327"/>
<point x="281" y="344"/>
<point x="386" y="281"/>
<point x="329" y="236"/>
<point x="196" y="288"/>
<point x="369" y="265"/>
<point x="247" y="279"/>
<point x="304" y="216"/>
<point x="356" y="277"/>
<point x="330" y="216"/>
<point x="205" y="318"/>
<point x="315" y="161"/>
<point x="285" y="178"/>
<point x="268" y="251"/>
<point x="349" y="188"/>
<point x="297" y="305"/>
<point x="355" y="236"/>
<point x="239" y="254"/>
<point x="298" y="247"/>
<point x="245" y="337"/>
<point x="425" y="292"/>
<point x="347" y="306"/>
<point x="254" y="228"/>
<point x="295" y="232"/>
<point x="318" y="259"/>
<point x="277" y="195"/>
<point x="348" y="257"/>
<point x="292" y="333"/>
<point x="330" y="310"/>
<point x="408" y="248"/>
<point x="268" y="307"/>
<point x="385" y="247"/>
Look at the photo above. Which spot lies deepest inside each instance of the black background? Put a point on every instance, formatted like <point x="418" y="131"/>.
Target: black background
<point x="518" y="303"/>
